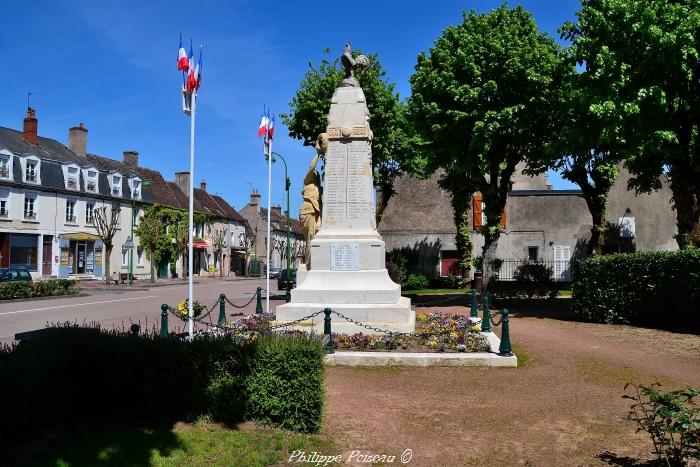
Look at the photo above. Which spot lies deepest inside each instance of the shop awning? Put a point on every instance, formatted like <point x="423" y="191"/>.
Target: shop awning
<point x="79" y="236"/>
<point x="200" y="245"/>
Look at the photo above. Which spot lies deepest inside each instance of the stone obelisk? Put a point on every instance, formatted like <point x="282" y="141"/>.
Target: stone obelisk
<point x="347" y="270"/>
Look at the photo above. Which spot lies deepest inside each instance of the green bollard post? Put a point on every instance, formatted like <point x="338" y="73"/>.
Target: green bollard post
<point x="486" y="319"/>
<point x="327" y="338"/>
<point x="505" y="349"/>
<point x="258" y="306"/>
<point x="222" y="310"/>
<point x="164" y="321"/>
<point x="475" y="305"/>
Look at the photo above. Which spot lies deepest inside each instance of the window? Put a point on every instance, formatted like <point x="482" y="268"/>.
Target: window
<point x="479" y="213"/>
<point x="91" y="180"/>
<point x="135" y="186"/>
<point x="116" y="185"/>
<point x="70" y="211"/>
<point x="31" y="171"/>
<point x="89" y="212"/>
<point x="72" y="178"/>
<point x="5" y="165"/>
<point x="23" y="251"/>
<point x="139" y="256"/>
<point x="4" y="204"/>
<point x="125" y="256"/>
<point x="30" y="207"/>
<point x="533" y="253"/>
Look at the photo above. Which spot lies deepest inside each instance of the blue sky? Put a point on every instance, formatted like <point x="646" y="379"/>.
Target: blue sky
<point x="111" y="65"/>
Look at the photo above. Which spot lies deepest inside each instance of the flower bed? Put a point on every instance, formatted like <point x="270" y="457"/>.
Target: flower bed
<point x="435" y="332"/>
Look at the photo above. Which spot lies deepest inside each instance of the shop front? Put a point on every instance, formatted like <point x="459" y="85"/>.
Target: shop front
<point x="81" y="255"/>
<point x="19" y="251"/>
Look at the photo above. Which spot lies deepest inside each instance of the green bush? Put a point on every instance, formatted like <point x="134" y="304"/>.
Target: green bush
<point x="25" y="289"/>
<point x="523" y="289"/>
<point x="285" y="387"/>
<point x="652" y="289"/>
<point x="416" y="282"/>
<point x="74" y="374"/>
<point x="449" y="282"/>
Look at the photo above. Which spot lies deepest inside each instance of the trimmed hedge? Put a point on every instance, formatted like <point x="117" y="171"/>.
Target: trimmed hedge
<point x="524" y="289"/>
<point x="651" y="289"/>
<point x="75" y="374"/>
<point x="25" y="289"/>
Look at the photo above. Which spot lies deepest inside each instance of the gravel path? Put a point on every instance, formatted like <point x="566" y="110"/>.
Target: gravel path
<point x="563" y="407"/>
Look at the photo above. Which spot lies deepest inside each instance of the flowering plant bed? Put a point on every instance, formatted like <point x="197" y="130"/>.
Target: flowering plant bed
<point x="435" y="332"/>
<point x="183" y="309"/>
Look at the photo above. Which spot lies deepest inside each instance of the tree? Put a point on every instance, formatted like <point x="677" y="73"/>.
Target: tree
<point x="181" y="237"/>
<point x="106" y="227"/>
<point x="219" y="245"/>
<point x="587" y="150"/>
<point x="650" y="49"/>
<point x="248" y="241"/>
<point x="149" y="231"/>
<point x="308" y="115"/>
<point x="482" y="102"/>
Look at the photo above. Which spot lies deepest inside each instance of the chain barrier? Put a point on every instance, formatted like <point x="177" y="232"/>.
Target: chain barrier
<point x="371" y="328"/>
<point x="296" y="321"/>
<point x="255" y="294"/>
<point x="493" y="322"/>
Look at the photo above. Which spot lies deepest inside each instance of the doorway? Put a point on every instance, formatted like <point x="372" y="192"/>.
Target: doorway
<point x="80" y="258"/>
<point x="46" y="255"/>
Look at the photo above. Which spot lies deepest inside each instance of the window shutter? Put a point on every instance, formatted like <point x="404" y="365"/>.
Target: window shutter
<point x="503" y="218"/>
<point x="476" y="210"/>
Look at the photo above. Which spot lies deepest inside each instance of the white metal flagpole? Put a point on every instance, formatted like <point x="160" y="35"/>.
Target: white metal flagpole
<point x="269" y="215"/>
<point x="190" y="224"/>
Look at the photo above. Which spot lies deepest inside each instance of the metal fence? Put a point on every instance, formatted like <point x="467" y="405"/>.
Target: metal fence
<point x="511" y="269"/>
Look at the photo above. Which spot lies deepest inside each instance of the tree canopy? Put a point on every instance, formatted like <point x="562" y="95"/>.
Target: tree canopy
<point x="648" y="51"/>
<point x="483" y="100"/>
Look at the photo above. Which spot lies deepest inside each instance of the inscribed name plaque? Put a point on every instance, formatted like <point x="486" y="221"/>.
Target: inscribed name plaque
<point x="345" y="256"/>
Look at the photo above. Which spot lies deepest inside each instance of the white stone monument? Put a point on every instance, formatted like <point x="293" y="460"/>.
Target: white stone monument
<point x="347" y="272"/>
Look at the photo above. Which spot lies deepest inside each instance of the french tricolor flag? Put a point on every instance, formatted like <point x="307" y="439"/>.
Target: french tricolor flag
<point x="183" y="63"/>
<point x="191" y="82"/>
<point x="271" y="128"/>
<point x="264" y="122"/>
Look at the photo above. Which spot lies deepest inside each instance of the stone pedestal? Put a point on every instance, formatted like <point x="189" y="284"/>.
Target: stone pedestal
<point x="347" y="271"/>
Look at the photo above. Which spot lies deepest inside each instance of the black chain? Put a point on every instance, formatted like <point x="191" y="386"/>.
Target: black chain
<point x="296" y="321"/>
<point x="241" y="306"/>
<point x="371" y="328"/>
<point x="491" y="315"/>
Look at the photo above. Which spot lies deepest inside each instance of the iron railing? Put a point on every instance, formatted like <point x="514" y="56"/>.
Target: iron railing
<point x="512" y="269"/>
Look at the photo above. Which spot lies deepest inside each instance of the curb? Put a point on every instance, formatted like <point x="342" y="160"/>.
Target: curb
<point x="419" y="359"/>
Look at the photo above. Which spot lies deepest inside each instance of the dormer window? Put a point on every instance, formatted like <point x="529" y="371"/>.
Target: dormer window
<point x="31" y="170"/>
<point x="135" y="187"/>
<point x="72" y="178"/>
<point x="116" y="185"/>
<point x="90" y="176"/>
<point x="5" y="164"/>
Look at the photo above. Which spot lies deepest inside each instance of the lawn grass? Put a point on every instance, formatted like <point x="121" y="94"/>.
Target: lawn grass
<point x="202" y="443"/>
<point x="566" y="293"/>
<point x="435" y="292"/>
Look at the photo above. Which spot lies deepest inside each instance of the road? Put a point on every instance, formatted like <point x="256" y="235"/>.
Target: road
<point x="114" y="309"/>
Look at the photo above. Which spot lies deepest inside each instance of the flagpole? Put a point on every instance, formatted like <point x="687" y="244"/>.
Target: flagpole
<point x="269" y="215"/>
<point x="190" y="257"/>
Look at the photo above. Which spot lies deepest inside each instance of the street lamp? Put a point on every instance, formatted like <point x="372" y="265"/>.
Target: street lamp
<point x="287" y="184"/>
<point x="144" y="184"/>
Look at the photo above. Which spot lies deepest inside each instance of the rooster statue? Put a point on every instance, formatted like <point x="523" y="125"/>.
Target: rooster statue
<point x="351" y="64"/>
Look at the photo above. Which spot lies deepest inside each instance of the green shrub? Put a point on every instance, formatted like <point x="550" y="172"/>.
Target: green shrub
<point x="285" y="387"/>
<point x="72" y="374"/>
<point x="533" y="272"/>
<point x="15" y="289"/>
<point x="25" y="289"/>
<point x="397" y="266"/>
<point x="672" y="420"/>
<point x="449" y="282"/>
<point x="416" y="282"/>
<point x="652" y="289"/>
<point x="524" y="289"/>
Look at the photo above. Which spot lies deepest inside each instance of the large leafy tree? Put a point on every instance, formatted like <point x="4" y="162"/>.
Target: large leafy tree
<point x="308" y="115"/>
<point x="482" y="102"/>
<point x="150" y="231"/>
<point x="650" y="49"/>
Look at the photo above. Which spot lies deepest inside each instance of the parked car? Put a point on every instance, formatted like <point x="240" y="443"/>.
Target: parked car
<point x="282" y="280"/>
<point x="274" y="273"/>
<point x="15" y="274"/>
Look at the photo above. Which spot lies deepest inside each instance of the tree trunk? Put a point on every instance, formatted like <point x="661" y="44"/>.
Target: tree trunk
<point x="686" y="201"/>
<point x="153" y="272"/>
<point x="185" y="268"/>
<point x="488" y="256"/>
<point x="595" y="246"/>
<point x="108" y="256"/>
<point x="221" y="265"/>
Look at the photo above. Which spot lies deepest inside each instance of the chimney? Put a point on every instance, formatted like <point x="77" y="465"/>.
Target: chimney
<point x="131" y="158"/>
<point x="203" y="185"/>
<point x="77" y="140"/>
<point x="255" y="200"/>
<point x="182" y="179"/>
<point x="31" y="125"/>
<point x="277" y="209"/>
